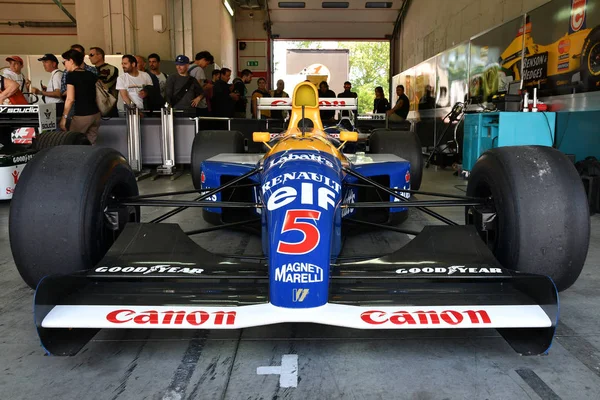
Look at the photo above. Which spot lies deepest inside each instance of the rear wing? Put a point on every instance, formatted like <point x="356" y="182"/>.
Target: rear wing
<point x="285" y="103"/>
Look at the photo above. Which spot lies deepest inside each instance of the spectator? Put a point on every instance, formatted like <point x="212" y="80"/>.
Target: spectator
<point x="224" y="100"/>
<point x="201" y="60"/>
<point x="380" y="104"/>
<point x="347" y="94"/>
<point x="325" y="92"/>
<point x="107" y="74"/>
<point x="142" y="68"/>
<point x="63" y="83"/>
<point x="239" y="87"/>
<point x="279" y="92"/>
<point x="260" y="92"/>
<point x="14" y="73"/>
<point x="212" y="66"/>
<point x="209" y="89"/>
<point x="10" y="92"/>
<point x="183" y="91"/>
<point x="52" y="91"/>
<point x="131" y="84"/>
<point x="81" y="88"/>
<point x="400" y="110"/>
<point x="154" y="63"/>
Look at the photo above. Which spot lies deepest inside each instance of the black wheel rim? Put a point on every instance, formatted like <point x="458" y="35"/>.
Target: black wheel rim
<point x="490" y="234"/>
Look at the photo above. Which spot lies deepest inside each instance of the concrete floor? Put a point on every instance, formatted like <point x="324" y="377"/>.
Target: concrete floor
<point x="332" y="363"/>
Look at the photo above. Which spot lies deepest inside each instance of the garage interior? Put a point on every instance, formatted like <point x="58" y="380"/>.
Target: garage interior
<point x="464" y="66"/>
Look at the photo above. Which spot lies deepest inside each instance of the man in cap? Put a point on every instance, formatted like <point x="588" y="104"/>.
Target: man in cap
<point x="51" y="92"/>
<point x="183" y="91"/>
<point x="15" y="74"/>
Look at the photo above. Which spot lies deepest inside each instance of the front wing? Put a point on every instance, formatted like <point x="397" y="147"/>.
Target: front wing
<point x="445" y="278"/>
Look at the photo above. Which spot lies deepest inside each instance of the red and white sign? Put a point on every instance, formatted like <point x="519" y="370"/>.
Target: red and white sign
<point x="577" y="15"/>
<point x="9" y="176"/>
<point x="275" y="103"/>
<point x="359" y="317"/>
<point x="23" y="135"/>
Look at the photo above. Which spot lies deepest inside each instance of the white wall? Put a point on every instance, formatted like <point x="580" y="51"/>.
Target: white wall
<point x="432" y="26"/>
<point x="228" y="41"/>
<point x="17" y="40"/>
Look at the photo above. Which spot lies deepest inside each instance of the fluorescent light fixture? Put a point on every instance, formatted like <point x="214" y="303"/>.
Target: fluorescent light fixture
<point x="378" y="4"/>
<point x="228" y="7"/>
<point x="334" y="4"/>
<point x="292" y="4"/>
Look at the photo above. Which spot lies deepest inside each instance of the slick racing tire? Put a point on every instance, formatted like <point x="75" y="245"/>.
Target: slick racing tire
<point x="542" y="223"/>
<point x="403" y="144"/>
<point x="51" y="139"/>
<point x="208" y="144"/>
<point x="57" y="222"/>
<point x="590" y="66"/>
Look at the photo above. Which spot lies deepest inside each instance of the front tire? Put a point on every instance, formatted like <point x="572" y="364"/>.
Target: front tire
<point x="542" y="223"/>
<point x="57" y="222"/>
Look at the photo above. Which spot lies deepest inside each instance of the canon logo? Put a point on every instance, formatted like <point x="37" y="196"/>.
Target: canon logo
<point x="447" y="317"/>
<point x="154" y="317"/>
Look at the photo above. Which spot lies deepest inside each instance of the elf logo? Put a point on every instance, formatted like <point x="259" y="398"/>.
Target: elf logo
<point x="298" y="295"/>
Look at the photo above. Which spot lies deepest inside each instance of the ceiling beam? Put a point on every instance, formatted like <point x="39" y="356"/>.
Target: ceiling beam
<point x="64" y="10"/>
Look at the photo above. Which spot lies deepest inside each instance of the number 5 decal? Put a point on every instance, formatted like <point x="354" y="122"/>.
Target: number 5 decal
<point x="311" y="233"/>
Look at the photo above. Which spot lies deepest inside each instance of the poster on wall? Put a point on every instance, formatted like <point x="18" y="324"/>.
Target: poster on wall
<point x="425" y="86"/>
<point x="562" y="47"/>
<point x="452" y="72"/>
<point x="495" y="61"/>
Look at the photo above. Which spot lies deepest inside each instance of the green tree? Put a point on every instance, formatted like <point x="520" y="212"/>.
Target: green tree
<point x="369" y="68"/>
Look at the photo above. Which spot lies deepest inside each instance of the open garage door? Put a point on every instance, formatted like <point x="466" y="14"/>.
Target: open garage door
<point x="316" y="19"/>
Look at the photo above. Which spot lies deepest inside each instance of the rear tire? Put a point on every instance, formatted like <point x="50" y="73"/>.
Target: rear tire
<point x="208" y="144"/>
<point x="51" y="139"/>
<point x="57" y="223"/>
<point x="542" y="215"/>
<point x="403" y="144"/>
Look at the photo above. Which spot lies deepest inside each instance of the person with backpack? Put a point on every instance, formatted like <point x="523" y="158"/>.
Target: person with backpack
<point x="183" y="91"/>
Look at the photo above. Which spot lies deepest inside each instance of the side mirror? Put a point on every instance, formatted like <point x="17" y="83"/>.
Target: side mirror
<point x="348" y="136"/>
<point x="261" y="137"/>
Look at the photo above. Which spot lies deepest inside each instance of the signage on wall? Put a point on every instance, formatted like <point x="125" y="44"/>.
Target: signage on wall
<point x="251" y="63"/>
<point x="535" y="67"/>
<point x="578" y="11"/>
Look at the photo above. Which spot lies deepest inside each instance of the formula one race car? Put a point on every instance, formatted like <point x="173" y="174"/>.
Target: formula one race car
<point x="75" y="236"/>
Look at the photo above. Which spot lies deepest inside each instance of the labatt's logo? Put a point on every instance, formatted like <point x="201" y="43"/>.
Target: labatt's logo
<point x="578" y="11"/>
<point x="301" y="157"/>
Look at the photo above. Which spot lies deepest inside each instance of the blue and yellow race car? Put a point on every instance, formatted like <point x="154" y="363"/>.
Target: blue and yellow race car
<point x="76" y="237"/>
